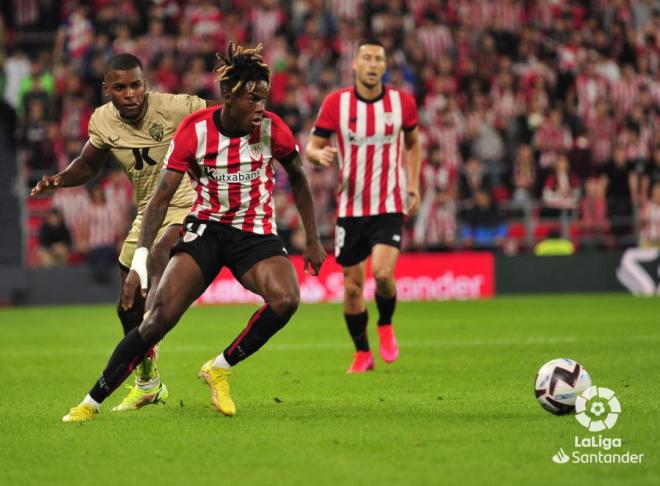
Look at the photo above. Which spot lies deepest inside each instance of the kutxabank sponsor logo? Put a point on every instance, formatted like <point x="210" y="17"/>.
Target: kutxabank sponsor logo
<point x="597" y="409"/>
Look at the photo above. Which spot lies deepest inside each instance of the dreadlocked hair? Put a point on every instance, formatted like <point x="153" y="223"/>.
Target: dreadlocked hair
<point x="241" y="65"/>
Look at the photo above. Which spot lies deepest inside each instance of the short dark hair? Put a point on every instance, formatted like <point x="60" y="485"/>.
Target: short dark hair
<point x="369" y="41"/>
<point x="122" y="62"/>
<point x="240" y="66"/>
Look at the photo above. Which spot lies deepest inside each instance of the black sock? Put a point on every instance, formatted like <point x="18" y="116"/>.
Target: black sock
<point x="386" y="307"/>
<point x="128" y="353"/>
<point x="262" y="326"/>
<point x="357" y="327"/>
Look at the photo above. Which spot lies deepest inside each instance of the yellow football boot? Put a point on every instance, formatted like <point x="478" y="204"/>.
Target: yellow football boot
<point x="81" y="413"/>
<point x="216" y="379"/>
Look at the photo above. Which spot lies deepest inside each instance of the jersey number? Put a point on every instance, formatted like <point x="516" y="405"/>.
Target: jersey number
<point x="141" y="157"/>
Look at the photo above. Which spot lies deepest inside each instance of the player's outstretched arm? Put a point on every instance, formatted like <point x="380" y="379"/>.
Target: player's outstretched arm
<point x="153" y="218"/>
<point x="413" y="164"/>
<point x="314" y="254"/>
<point x="82" y="170"/>
<point x="320" y="152"/>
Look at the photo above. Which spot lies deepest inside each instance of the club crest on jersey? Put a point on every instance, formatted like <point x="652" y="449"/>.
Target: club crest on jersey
<point x="255" y="151"/>
<point x="156" y="131"/>
<point x="389" y="118"/>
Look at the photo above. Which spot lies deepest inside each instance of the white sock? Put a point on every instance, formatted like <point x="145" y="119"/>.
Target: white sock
<point x="90" y="401"/>
<point x="221" y="362"/>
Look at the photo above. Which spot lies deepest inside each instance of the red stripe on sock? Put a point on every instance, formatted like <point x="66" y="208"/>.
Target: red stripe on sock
<point x="247" y="329"/>
<point x="131" y="366"/>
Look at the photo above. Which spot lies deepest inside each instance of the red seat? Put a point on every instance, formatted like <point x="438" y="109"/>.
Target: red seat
<point x="39" y="204"/>
<point x="517" y="230"/>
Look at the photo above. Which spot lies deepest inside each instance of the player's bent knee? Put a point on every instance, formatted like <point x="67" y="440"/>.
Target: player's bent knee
<point x="286" y="305"/>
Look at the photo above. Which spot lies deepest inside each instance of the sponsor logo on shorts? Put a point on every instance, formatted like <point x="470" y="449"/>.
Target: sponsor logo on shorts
<point x="396" y="238"/>
<point x="189" y="236"/>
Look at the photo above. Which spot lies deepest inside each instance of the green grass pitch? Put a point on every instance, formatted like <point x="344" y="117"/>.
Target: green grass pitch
<point x="457" y="408"/>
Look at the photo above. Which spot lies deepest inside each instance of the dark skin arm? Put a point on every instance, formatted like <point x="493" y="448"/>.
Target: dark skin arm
<point x="313" y="254"/>
<point x="82" y="170"/>
<point x="413" y="163"/>
<point x="153" y="218"/>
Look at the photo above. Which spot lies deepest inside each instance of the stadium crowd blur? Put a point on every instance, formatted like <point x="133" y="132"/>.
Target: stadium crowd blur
<point x="536" y="117"/>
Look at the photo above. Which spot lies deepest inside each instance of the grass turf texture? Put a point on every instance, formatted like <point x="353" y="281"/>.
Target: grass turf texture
<point x="457" y="408"/>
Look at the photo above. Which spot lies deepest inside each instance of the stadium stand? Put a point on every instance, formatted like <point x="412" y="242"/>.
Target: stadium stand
<point x="514" y="86"/>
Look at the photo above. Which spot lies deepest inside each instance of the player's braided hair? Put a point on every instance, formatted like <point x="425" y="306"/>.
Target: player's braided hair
<point x="241" y="65"/>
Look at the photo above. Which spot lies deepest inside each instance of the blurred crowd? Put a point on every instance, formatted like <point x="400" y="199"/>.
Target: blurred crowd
<point x="536" y="117"/>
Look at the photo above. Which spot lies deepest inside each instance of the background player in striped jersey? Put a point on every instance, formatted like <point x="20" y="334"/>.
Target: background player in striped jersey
<point x="374" y="125"/>
<point x="229" y="154"/>
<point x="135" y="128"/>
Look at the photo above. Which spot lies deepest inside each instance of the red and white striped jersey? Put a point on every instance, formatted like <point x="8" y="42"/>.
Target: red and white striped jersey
<point x="589" y="90"/>
<point x="650" y="232"/>
<point x="436" y="40"/>
<point x="510" y="15"/>
<point x="346" y="9"/>
<point x="600" y="132"/>
<point x="265" y="22"/>
<point x="101" y="223"/>
<point x="232" y="175"/>
<point x="370" y="138"/>
<point x="624" y="94"/>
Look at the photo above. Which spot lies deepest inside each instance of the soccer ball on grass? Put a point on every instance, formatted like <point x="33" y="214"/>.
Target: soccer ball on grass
<point x="558" y="384"/>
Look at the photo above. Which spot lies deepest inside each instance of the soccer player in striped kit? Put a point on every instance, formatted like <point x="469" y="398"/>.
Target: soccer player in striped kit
<point x="375" y="128"/>
<point x="228" y="153"/>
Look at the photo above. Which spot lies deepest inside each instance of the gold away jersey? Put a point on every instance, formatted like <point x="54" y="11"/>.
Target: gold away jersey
<point x="140" y="147"/>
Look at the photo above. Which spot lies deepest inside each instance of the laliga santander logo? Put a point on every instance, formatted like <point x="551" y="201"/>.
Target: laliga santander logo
<point x="597" y="409"/>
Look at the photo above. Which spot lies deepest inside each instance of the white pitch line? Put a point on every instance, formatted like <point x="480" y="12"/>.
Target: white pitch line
<point x="332" y="345"/>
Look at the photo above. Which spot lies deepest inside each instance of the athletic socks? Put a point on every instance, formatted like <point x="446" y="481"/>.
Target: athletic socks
<point x="262" y="326"/>
<point x="357" y="328"/>
<point x="221" y="362"/>
<point x="127" y="354"/>
<point x="90" y="401"/>
<point x="386" y="307"/>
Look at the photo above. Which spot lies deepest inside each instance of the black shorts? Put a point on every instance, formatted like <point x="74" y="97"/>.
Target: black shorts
<point x="355" y="237"/>
<point x="213" y="246"/>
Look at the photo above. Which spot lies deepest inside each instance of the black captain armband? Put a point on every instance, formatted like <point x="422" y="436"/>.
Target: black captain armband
<point x="288" y="158"/>
<point x="322" y="132"/>
<point x="410" y="128"/>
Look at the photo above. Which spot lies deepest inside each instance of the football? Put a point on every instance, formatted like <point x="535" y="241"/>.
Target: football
<point x="558" y="383"/>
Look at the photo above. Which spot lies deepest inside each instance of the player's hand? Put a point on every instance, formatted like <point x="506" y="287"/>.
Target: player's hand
<point x="46" y="184"/>
<point x="328" y="156"/>
<point x="129" y="288"/>
<point x="313" y="256"/>
<point x="413" y="201"/>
